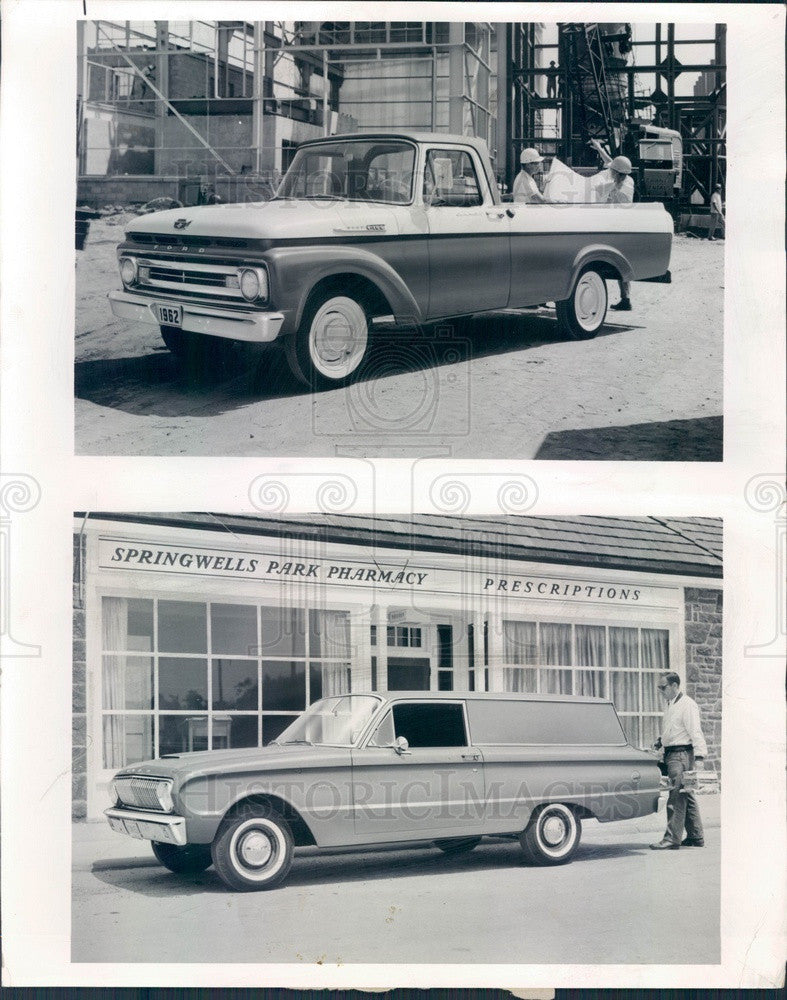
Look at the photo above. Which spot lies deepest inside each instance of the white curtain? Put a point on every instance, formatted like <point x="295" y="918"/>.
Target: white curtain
<point x="591" y="643"/>
<point x="114" y="637"/>
<point x="333" y="630"/>
<point x="519" y="642"/>
<point x="519" y="679"/>
<point x="655" y="656"/>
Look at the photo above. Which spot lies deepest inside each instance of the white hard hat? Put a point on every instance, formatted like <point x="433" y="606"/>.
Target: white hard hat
<point x="622" y="164"/>
<point x="530" y="155"/>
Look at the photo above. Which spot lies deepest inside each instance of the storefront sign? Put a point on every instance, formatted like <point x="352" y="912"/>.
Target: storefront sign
<point x="193" y="560"/>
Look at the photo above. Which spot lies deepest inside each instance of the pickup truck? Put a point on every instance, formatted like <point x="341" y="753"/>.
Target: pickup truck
<point x="401" y="227"/>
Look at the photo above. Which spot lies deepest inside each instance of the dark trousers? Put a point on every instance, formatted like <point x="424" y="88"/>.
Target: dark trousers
<point x="682" y="809"/>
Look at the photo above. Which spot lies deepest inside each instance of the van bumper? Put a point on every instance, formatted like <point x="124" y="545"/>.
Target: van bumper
<point x="148" y="826"/>
<point x="198" y="317"/>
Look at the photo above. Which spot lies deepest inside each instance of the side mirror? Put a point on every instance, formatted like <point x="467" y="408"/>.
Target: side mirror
<point x="401" y="746"/>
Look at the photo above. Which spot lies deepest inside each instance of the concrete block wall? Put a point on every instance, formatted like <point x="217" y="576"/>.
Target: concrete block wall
<point x="79" y="692"/>
<point x="703" y="626"/>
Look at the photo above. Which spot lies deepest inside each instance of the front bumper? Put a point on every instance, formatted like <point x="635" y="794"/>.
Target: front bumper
<point x="148" y="826"/>
<point x="198" y="317"/>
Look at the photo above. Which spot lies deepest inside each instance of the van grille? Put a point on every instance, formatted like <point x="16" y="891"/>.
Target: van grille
<point x="134" y="790"/>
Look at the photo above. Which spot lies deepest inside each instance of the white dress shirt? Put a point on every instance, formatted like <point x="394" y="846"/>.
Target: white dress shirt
<point x="525" y="188"/>
<point x="682" y="725"/>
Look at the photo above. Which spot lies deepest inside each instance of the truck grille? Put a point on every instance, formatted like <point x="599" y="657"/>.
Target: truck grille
<point x="189" y="278"/>
<point x="139" y="792"/>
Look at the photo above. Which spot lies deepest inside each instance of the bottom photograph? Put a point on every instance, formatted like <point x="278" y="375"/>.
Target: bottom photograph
<point x="331" y="738"/>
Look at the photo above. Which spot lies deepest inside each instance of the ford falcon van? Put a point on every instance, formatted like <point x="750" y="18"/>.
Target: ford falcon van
<point x="402" y="227"/>
<point x="366" y="769"/>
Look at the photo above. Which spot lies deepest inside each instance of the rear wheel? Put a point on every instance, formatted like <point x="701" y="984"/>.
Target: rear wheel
<point x="552" y="835"/>
<point x="331" y="342"/>
<point x="458" y="845"/>
<point x="181" y="860"/>
<point x="582" y="314"/>
<point x="253" y="849"/>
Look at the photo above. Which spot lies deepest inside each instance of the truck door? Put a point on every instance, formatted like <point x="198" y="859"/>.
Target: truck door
<point x="469" y="257"/>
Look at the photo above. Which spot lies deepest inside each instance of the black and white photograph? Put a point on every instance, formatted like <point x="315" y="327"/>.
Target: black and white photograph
<point x="393" y="520"/>
<point x="306" y="238"/>
<point x="279" y="720"/>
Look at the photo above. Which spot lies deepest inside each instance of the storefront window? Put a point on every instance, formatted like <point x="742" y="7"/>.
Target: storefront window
<point x="258" y="668"/>
<point x="592" y="660"/>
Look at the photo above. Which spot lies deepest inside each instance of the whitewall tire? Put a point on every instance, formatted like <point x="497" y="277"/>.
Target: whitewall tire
<point x="582" y="314"/>
<point x="253" y="849"/>
<point x="552" y="835"/>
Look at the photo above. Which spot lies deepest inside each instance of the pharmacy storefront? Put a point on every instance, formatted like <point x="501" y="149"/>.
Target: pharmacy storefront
<point x="196" y="639"/>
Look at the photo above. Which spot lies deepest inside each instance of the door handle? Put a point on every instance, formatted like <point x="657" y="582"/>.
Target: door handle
<point x="495" y="215"/>
<point x="471" y="756"/>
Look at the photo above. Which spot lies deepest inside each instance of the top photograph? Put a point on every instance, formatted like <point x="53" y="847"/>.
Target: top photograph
<point x="400" y="239"/>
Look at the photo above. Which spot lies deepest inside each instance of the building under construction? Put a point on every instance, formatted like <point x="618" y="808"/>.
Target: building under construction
<point x="199" y="110"/>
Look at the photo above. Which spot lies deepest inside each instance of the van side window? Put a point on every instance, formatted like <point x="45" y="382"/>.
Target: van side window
<point x="430" y="725"/>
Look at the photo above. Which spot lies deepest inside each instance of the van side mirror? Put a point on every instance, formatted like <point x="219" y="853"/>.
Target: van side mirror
<point x="401" y="746"/>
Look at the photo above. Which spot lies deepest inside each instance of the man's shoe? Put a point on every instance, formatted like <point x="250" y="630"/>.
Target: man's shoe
<point x="665" y="845"/>
<point x="623" y="306"/>
<point x="692" y="842"/>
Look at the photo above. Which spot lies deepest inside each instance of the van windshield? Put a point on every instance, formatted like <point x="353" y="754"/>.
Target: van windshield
<point x="335" y="722"/>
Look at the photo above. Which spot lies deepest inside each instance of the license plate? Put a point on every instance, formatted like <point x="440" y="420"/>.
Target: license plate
<point x="169" y="315"/>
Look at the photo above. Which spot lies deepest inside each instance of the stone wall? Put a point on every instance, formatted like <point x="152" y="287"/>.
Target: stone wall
<point x="79" y="698"/>
<point x="703" y="614"/>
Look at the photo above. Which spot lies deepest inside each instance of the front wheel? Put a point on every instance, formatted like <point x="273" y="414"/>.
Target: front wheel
<point x="552" y="835"/>
<point x="582" y="314"/>
<point x="183" y="860"/>
<point x="331" y="342"/>
<point x="253" y="849"/>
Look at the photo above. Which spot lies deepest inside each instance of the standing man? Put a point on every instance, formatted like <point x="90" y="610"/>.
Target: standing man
<point x="621" y="193"/>
<point x="525" y="185"/>
<point x="716" y="213"/>
<point x="684" y="745"/>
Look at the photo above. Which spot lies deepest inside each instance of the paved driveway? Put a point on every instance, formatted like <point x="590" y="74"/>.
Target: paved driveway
<point x="617" y="902"/>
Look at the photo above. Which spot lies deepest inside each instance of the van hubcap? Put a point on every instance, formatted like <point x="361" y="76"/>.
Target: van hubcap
<point x="255" y="849"/>
<point x="554" y="830"/>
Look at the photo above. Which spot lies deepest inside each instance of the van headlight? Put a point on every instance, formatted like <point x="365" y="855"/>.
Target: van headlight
<point x="128" y="270"/>
<point x="164" y="795"/>
<point x="253" y="283"/>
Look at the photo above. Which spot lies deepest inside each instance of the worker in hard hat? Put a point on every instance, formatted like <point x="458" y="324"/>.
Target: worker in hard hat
<point x="621" y="193"/>
<point x="525" y="184"/>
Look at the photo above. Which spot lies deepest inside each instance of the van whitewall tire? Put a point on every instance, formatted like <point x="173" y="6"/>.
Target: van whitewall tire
<point x="332" y="341"/>
<point x="184" y="860"/>
<point x="582" y="314"/>
<point x="552" y="835"/>
<point x="253" y="849"/>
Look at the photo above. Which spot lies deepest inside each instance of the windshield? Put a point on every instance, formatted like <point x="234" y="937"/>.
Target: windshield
<point x="335" y="722"/>
<point x="374" y="170"/>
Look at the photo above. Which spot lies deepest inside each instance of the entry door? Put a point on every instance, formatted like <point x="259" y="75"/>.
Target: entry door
<point x="469" y="256"/>
<point x="432" y="791"/>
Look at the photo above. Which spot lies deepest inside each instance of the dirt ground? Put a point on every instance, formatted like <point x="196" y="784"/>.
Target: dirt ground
<point x="648" y="387"/>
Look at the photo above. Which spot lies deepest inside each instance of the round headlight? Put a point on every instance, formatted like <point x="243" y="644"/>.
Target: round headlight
<point x="164" y="795"/>
<point x="128" y="270"/>
<point x="250" y="286"/>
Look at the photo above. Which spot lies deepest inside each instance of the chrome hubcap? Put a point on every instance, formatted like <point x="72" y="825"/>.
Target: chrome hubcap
<point x="590" y="300"/>
<point x="338" y="337"/>
<point x="255" y="849"/>
<point x="553" y="830"/>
